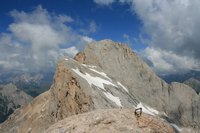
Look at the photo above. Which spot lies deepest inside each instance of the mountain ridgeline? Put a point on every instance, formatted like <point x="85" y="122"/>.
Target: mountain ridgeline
<point x="30" y="82"/>
<point x="99" y="90"/>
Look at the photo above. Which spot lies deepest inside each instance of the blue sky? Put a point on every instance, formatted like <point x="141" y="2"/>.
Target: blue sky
<point x="35" y="34"/>
<point x="112" y="22"/>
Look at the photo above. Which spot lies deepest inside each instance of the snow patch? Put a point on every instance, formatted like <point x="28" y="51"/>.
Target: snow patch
<point x="92" y="68"/>
<point x="176" y="127"/>
<point x="66" y="59"/>
<point x="101" y="73"/>
<point x="147" y="109"/>
<point x="116" y="100"/>
<point x="123" y="87"/>
<point x="97" y="81"/>
<point x="89" y="66"/>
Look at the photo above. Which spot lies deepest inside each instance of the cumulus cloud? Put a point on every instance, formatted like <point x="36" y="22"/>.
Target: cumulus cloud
<point x="37" y="39"/>
<point x="167" y="62"/>
<point x="173" y="29"/>
<point x="71" y="51"/>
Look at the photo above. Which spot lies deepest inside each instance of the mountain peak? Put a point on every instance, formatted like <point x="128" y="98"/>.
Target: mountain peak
<point x="106" y="75"/>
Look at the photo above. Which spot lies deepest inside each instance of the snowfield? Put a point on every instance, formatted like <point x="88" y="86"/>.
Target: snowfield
<point x="116" y="100"/>
<point x="97" y="81"/>
<point x="101" y="73"/>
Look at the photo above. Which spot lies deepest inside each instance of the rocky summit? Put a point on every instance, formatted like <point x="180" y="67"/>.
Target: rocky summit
<point x="99" y="90"/>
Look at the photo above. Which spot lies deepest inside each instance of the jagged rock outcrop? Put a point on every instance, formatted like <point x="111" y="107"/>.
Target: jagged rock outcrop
<point x="80" y="57"/>
<point x="11" y="98"/>
<point x="106" y="75"/>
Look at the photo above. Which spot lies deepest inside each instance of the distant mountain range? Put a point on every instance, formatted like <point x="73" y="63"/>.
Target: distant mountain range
<point x="191" y="78"/>
<point x="17" y="88"/>
<point x="11" y="98"/>
<point x="181" y="77"/>
<point x="31" y="83"/>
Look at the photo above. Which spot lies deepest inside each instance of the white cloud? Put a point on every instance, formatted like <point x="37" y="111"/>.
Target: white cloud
<point x="37" y="35"/>
<point x="172" y="25"/>
<point x="167" y="62"/>
<point x="87" y="39"/>
<point x="37" y="39"/>
<point x="104" y="2"/>
<point x="71" y="51"/>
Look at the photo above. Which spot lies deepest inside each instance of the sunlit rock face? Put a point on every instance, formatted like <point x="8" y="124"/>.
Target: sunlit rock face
<point x="107" y="75"/>
<point x="178" y="101"/>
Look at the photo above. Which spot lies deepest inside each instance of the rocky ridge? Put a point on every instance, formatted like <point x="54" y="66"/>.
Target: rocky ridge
<point x="106" y="75"/>
<point x="111" y="120"/>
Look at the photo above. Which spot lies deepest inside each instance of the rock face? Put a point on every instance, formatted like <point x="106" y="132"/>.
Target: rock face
<point x="80" y="57"/>
<point x="106" y="75"/>
<point x="71" y="93"/>
<point x="178" y="101"/>
<point x="111" y="121"/>
<point x="11" y="98"/>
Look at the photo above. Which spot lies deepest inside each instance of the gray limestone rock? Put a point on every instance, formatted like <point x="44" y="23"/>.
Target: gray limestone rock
<point x="118" y="61"/>
<point x="11" y="98"/>
<point x="106" y="75"/>
<point x="111" y="121"/>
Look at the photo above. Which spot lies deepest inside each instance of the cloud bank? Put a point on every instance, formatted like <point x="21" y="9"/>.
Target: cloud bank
<point x="172" y="28"/>
<point x="37" y="39"/>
